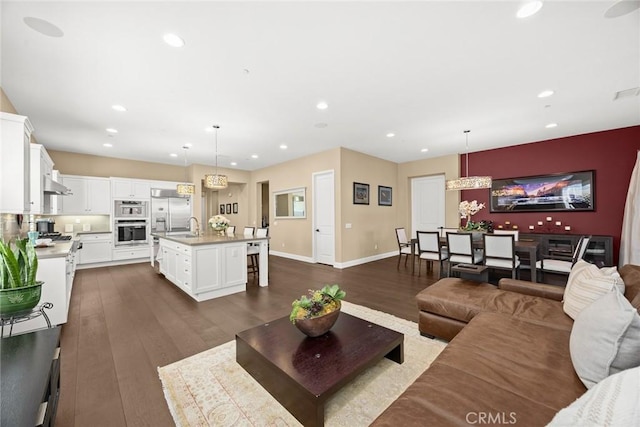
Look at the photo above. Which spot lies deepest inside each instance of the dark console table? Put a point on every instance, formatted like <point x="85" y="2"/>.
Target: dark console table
<point x="30" y="372"/>
<point x="599" y="251"/>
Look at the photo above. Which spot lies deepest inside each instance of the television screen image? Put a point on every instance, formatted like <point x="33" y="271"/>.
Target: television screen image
<point x="558" y="192"/>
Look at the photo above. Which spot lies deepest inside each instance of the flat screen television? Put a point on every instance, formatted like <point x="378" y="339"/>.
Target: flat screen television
<point x="568" y="192"/>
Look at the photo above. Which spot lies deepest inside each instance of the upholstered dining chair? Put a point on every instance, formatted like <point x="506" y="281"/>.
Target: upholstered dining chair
<point x="499" y="253"/>
<point x="253" y="251"/>
<point x="248" y="231"/>
<point x="429" y="249"/>
<point x="514" y="233"/>
<point x="231" y="230"/>
<point x="460" y="248"/>
<point x="562" y="265"/>
<point x="404" y="246"/>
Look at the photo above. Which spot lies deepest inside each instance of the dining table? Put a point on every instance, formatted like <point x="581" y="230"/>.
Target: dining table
<point x="529" y="247"/>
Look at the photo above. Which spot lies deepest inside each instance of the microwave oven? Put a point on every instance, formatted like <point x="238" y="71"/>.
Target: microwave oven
<point x="130" y="209"/>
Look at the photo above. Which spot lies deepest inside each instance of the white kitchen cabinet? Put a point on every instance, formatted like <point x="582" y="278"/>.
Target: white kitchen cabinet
<point x="90" y="196"/>
<point x="15" y="164"/>
<point x="131" y="253"/>
<point x="41" y="167"/>
<point x="125" y="189"/>
<point x="96" y="247"/>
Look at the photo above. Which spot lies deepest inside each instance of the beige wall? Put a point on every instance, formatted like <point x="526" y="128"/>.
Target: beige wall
<point x="372" y="226"/>
<point x="294" y="236"/>
<point x="447" y="165"/>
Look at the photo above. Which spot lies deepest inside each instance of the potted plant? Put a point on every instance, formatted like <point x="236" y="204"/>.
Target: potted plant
<point x="315" y="314"/>
<point x="19" y="289"/>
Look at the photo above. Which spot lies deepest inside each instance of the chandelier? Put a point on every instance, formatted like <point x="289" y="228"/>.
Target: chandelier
<point x="216" y="181"/>
<point x="186" y="188"/>
<point x="468" y="182"/>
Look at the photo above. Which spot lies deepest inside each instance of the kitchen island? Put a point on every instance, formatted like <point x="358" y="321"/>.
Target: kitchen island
<point x="208" y="265"/>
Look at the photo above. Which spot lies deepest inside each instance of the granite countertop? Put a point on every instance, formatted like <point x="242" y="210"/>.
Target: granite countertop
<point x="59" y="250"/>
<point x="207" y="238"/>
<point x="93" y="232"/>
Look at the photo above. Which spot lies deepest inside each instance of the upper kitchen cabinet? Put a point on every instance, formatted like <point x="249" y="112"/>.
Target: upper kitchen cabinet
<point x="89" y="196"/>
<point x="41" y="172"/>
<point x="15" y="187"/>
<point x="124" y="189"/>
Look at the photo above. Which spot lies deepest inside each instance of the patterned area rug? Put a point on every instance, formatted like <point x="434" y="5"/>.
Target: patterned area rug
<point x="211" y="389"/>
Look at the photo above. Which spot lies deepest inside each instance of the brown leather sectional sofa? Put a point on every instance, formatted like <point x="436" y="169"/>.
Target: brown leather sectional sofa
<point x="509" y="363"/>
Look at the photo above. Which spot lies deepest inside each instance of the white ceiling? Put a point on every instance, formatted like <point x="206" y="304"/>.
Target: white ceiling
<point x="422" y="70"/>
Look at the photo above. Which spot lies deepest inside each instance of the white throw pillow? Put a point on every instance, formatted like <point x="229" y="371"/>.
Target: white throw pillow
<point x="613" y="402"/>
<point x="586" y="284"/>
<point x="605" y="339"/>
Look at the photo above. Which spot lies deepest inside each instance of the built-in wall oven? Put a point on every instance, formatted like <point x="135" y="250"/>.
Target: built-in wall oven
<point x="130" y="209"/>
<point x="131" y="232"/>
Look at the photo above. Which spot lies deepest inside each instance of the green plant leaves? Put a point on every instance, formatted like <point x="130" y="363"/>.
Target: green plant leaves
<point x="19" y="268"/>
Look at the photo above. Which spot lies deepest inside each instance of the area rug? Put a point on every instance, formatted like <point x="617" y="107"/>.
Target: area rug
<point x="211" y="389"/>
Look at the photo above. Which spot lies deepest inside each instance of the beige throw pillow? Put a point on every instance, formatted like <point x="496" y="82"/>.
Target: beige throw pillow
<point x="605" y="339"/>
<point x="586" y="284"/>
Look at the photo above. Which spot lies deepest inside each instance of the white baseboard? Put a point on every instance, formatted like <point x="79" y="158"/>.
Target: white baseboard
<point x="359" y="261"/>
<point x="340" y="265"/>
<point x="292" y="256"/>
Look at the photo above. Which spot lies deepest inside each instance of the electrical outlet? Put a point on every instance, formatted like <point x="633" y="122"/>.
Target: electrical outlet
<point x="283" y="245"/>
<point x="375" y="246"/>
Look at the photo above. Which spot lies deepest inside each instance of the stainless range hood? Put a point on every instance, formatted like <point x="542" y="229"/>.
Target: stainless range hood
<point x="49" y="186"/>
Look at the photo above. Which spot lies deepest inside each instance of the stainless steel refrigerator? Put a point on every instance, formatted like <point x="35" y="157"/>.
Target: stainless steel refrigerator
<point x="169" y="211"/>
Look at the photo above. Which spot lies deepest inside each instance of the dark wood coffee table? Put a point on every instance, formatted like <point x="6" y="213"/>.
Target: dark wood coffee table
<point x="301" y="372"/>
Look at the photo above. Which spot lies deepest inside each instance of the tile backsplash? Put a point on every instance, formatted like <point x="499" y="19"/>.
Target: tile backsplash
<point x="11" y="229"/>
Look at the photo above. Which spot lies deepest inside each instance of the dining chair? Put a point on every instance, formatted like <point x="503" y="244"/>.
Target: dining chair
<point x="460" y="248"/>
<point x="514" y="233"/>
<point x="562" y="265"/>
<point x="429" y="249"/>
<point x="253" y="251"/>
<point x="231" y="230"/>
<point x="500" y="253"/>
<point x="404" y="246"/>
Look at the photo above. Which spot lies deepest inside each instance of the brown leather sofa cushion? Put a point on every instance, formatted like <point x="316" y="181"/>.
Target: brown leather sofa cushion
<point x="631" y="277"/>
<point x="462" y="300"/>
<point x="497" y="365"/>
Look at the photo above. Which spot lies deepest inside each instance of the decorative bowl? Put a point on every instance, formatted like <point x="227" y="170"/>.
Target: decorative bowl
<point x="316" y="326"/>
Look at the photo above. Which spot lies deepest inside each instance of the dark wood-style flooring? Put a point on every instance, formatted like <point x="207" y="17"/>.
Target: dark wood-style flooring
<point x="126" y="321"/>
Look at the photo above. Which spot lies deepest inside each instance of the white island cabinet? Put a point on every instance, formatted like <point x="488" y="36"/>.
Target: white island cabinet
<point x="209" y="266"/>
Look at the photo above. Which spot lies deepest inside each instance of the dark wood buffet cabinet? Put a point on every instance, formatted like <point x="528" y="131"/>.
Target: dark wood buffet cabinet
<point x="30" y="378"/>
<point x="599" y="251"/>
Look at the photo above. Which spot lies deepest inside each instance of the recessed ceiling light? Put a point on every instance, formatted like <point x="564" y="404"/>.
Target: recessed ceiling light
<point x="391" y="135"/>
<point x="188" y="144"/>
<point x="234" y="164"/>
<point x="529" y="8"/>
<point x="545" y="93"/>
<point x="424" y="150"/>
<point x="173" y="40"/>
<point x="173" y="155"/>
<point x="119" y="108"/>
<point x="254" y="156"/>
<point x="283" y="146"/>
<point x="106" y="144"/>
<point x="43" y="27"/>
<point x="321" y="125"/>
<point x="208" y="129"/>
<point x="111" y="130"/>
<point x="322" y="105"/>
<point x="551" y="125"/>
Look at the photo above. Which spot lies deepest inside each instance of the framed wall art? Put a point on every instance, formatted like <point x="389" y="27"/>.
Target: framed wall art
<point x="235" y="208"/>
<point x="569" y="192"/>
<point x="384" y="195"/>
<point x="360" y="193"/>
<point x="228" y="208"/>
<point x="221" y="209"/>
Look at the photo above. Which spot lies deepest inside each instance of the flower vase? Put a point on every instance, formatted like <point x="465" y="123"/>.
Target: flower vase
<point x="219" y="230"/>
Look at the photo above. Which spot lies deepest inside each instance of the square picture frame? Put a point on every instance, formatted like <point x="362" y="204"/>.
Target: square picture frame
<point x="228" y="208"/>
<point x="235" y="208"/>
<point x="385" y="196"/>
<point x="221" y="209"/>
<point x="360" y="193"/>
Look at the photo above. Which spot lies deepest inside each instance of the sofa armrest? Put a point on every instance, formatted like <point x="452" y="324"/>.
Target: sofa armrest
<point x="534" y="289"/>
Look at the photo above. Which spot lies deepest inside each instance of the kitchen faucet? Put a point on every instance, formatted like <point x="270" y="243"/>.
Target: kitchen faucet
<point x="197" y="225"/>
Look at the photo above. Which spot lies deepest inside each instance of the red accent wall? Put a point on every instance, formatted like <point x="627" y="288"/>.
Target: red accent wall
<point x="612" y="154"/>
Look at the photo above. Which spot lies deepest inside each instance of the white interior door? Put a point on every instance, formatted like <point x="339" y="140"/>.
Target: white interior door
<point x="323" y="218"/>
<point x="427" y="203"/>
